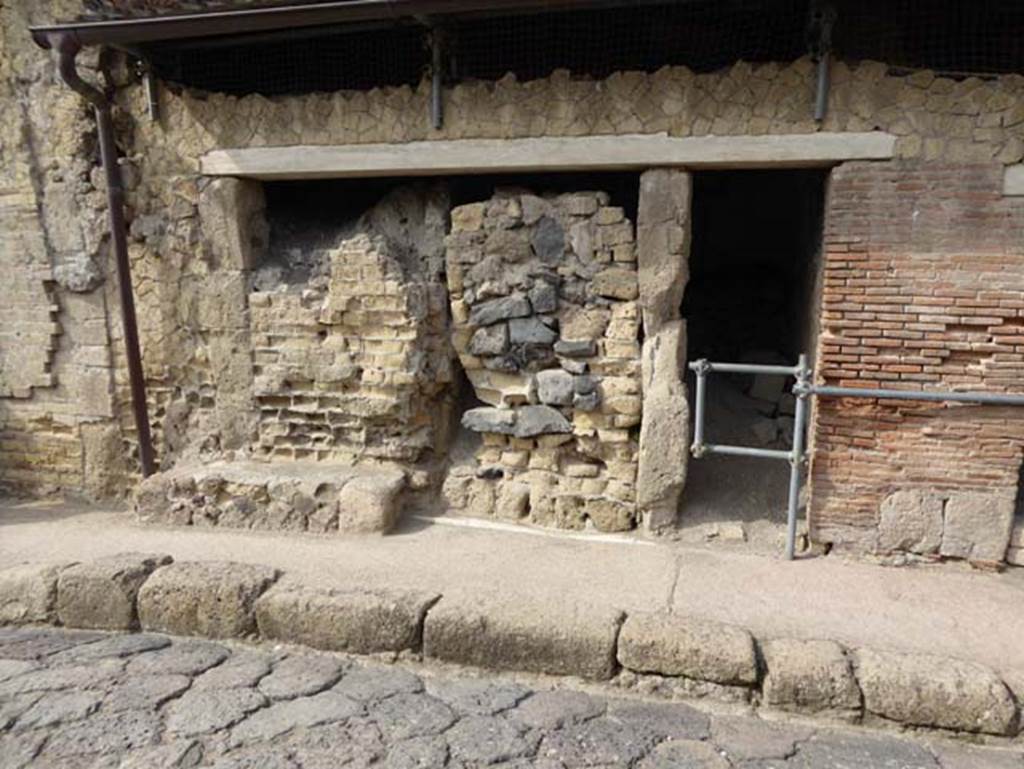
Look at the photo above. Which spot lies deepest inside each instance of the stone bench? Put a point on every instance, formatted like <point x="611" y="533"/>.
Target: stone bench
<point x="281" y="496"/>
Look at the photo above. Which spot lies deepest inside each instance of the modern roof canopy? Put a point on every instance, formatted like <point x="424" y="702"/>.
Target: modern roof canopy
<point x="133" y="32"/>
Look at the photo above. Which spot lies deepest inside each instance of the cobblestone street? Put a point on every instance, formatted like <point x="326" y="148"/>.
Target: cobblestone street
<point x="81" y="699"/>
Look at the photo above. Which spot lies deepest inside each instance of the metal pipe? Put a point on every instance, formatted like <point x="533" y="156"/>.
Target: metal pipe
<point x="745" y="368"/>
<point x="700" y="368"/>
<point x="436" y="75"/>
<point x="990" y="399"/>
<point x="68" y="49"/>
<point x="744" y="451"/>
<point x="824" y="80"/>
<point x="796" y="458"/>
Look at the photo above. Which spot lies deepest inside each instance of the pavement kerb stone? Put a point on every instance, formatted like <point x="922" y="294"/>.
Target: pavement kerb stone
<point x="235" y="600"/>
<point x="674" y="645"/>
<point x="28" y="592"/>
<point x="356" y="621"/>
<point x="550" y="639"/>
<point x="212" y="599"/>
<point x="102" y="594"/>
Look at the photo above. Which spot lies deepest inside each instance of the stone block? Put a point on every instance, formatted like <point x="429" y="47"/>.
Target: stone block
<point x="102" y="594"/>
<point x="539" y="420"/>
<point x="490" y="420"/>
<point x="356" y="621"/>
<point x="555" y="387"/>
<point x="532" y="331"/>
<point x="548" y="240"/>
<point x="505" y="308"/>
<point x="610" y="514"/>
<point x="673" y="645"/>
<point x="513" y="501"/>
<point x="663" y="235"/>
<point x="616" y="283"/>
<point x="213" y="599"/>
<point x="28" y="592"/>
<point x="810" y="677"/>
<point x="664" y="426"/>
<point x="233" y="223"/>
<point x="368" y="503"/>
<point x="575" y="640"/>
<point x="576" y="348"/>
<point x="926" y="690"/>
<point x="910" y="520"/>
<point x="489" y="340"/>
<point x="977" y="526"/>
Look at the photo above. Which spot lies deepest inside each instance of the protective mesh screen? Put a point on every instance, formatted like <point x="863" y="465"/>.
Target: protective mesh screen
<point x="955" y="36"/>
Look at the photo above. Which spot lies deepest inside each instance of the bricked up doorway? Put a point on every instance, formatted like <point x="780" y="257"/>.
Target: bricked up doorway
<point x="751" y="297"/>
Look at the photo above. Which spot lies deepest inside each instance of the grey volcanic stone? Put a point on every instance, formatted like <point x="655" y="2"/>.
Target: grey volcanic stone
<point x="59" y="707"/>
<point x="113" y="647"/>
<point x="300" y="676"/>
<point x="542" y="639"/>
<point x="486" y="740"/>
<point x="417" y="753"/>
<point x="494" y="310"/>
<point x="362" y="622"/>
<point x="283" y="717"/>
<point x="369" y="684"/>
<point x="28" y="592"/>
<point x="488" y="419"/>
<point x="203" y="712"/>
<point x="468" y="696"/>
<point x="103" y="733"/>
<point x="555" y="708"/>
<point x="676" y="754"/>
<point x="144" y="692"/>
<point x="809" y="676"/>
<point x="489" y="340"/>
<point x="861" y="750"/>
<point x="673" y="645"/>
<point x="211" y="599"/>
<point x="747" y="739"/>
<point x="935" y="691"/>
<point x="910" y="519"/>
<point x="544" y="297"/>
<point x="101" y="594"/>
<point x="598" y="742"/>
<point x="548" y="241"/>
<point x="186" y="658"/>
<point x="667" y="720"/>
<point x="243" y="669"/>
<point x="530" y="331"/>
<point x="555" y="387"/>
<point x="411" y="715"/>
<point x="539" y="420"/>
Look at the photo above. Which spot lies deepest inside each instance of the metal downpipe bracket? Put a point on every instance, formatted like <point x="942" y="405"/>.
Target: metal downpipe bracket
<point x="68" y="48"/>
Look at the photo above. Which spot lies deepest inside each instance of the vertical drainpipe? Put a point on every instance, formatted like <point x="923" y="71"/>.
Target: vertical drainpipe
<point x="67" y="48"/>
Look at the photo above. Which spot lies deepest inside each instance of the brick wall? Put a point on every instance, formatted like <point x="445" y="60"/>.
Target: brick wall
<point x="923" y="288"/>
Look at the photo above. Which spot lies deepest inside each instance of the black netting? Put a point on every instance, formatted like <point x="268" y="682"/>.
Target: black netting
<point x="955" y="36"/>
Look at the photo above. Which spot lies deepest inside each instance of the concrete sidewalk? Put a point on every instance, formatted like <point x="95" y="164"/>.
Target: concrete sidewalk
<point x="945" y="610"/>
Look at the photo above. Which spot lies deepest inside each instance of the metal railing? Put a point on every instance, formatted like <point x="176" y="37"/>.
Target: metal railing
<point x="795" y="456"/>
<point x="802" y="389"/>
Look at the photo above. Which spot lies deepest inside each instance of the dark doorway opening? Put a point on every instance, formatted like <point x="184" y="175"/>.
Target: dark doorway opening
<point x="751" y="298"/>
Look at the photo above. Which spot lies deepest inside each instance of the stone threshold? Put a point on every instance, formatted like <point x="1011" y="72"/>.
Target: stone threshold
<point x="655" y="651"/>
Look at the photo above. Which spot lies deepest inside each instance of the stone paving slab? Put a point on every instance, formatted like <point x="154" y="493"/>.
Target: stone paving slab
<point x="352" y="713"/>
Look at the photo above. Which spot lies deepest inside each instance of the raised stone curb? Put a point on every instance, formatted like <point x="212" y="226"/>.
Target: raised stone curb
<point x="558" y="641"/>
<point x="201" y="598"/>
<point x="357" y="621"/>
<point x="935" y="691"/>
<point x="235" y="600"/>
<point x="101" y="594"/>
<point x="683" y="646"/>
<point x="28" y="592"/>
<point x="810" y="677"/>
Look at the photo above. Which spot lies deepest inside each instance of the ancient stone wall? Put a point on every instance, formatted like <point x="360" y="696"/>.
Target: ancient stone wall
<point x="58" y="411"/>
<point x="546" y="325"/>
<point x="923" y="289"/>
